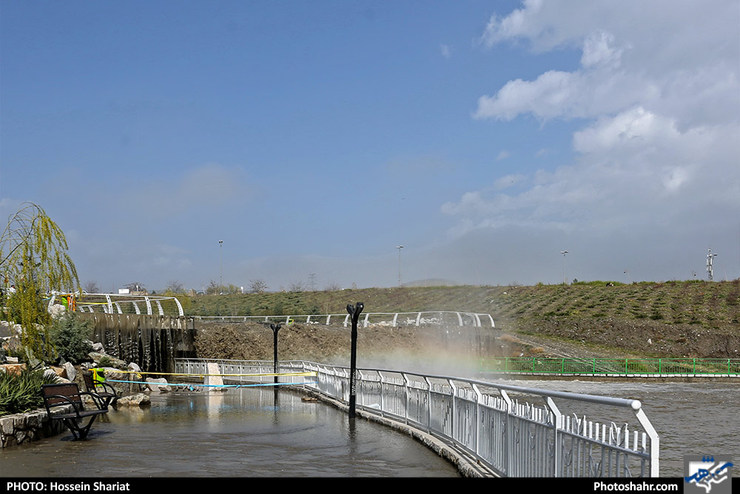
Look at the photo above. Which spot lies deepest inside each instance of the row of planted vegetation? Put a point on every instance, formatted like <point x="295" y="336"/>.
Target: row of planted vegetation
<point x="668" y="319"/>
<point x="705" y="304"/>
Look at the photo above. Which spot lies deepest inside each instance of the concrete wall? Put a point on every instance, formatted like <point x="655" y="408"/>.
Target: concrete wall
<point x="153" y="342"/>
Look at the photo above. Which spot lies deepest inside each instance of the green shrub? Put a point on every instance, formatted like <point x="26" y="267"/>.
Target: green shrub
<point x="22" y="392"/>
<point x="71" y="338"/>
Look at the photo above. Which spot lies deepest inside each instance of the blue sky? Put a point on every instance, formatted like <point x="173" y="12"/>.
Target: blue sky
<point x="314" y="138"/>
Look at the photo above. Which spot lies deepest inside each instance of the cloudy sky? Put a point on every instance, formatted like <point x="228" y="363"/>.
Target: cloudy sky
<point x="314" y="138"/>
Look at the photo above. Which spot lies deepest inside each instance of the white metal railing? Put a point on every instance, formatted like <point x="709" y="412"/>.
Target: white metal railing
<point x="110" y="303"/>
<point x="515" y="431"/>
<point x="392" y="319"/>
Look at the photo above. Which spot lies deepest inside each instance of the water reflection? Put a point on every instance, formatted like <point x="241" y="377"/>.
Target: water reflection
<point x="240" y="432"/>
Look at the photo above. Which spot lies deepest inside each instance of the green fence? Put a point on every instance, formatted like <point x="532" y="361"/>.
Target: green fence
<point x="604" y="366"/>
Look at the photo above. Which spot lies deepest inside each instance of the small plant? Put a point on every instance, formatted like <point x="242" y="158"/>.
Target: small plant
<point x="105" y="361"/>
<point x="20" y="392"/>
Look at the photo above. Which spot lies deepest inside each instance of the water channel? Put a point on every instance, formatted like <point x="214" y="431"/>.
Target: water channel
<point x="237" y="433"/>
<point x="242" y="432"/>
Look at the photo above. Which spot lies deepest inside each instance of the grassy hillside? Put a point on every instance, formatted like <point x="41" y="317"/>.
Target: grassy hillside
<point x="704" y="304"/>
<point x="673" y="319"/>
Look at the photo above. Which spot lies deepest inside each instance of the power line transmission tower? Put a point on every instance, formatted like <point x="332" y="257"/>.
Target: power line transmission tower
<point x="710" y="267"/>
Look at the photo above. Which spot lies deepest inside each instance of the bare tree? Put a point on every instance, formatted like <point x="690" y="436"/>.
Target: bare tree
<point x="257" y="286"/>
<point x="91" y="287"/>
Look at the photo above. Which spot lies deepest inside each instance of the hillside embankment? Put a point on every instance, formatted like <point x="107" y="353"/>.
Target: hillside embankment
<point x="673" y="319"/>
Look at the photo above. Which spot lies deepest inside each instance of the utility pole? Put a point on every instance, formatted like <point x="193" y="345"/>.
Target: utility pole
<point x="399" y="264"/>
<point x="564" y="252"/>
<point x="221" y="257"/>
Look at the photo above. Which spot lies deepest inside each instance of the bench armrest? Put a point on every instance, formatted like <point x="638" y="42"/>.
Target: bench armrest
<point x="106" y="387"/>
<point x="99" y="402"/>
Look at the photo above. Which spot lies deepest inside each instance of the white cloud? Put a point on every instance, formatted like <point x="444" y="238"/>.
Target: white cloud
<point x="599" y="50"/>
<point x="676" y="58"/>
<point x="659" y="94"/>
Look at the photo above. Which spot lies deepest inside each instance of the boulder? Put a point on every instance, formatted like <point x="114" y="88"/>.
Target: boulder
<point x="12" y="368"/>
<point x="135" y="400"/>
<point x="69" y="371"/>
<point x="158" y="385"/>
<point x="56" y="373"/>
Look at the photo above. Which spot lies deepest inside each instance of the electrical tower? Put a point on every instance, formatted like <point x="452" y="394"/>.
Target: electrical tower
<point x="710" y="268"/>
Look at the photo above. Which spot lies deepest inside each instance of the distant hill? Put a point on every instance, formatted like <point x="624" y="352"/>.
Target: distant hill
<point x="672" y="319"/>
<point x="704" y="304"/>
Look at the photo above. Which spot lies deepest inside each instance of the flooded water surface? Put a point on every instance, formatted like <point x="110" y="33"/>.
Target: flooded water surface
<point x="242" y="433"/>
<point x="237" y="433"/>
<point x="698" y="417"/>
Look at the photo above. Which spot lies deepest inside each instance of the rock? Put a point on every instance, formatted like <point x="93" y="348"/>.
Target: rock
<point x="158" y="385"/>
<point x="69" y="371"/>
<point x="57" y="373"/>
<point x="97" y="357"/>
<point x="137" y="400"/>
<point x="12" y="368"/>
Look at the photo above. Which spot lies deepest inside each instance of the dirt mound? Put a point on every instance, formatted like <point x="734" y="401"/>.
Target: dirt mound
<point x="431" y="349"/>
<point x="439" y="349"/>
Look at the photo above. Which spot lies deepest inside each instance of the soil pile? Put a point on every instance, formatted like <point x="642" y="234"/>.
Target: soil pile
<point x="436" y="348"/>
<point x="426" y="348"/>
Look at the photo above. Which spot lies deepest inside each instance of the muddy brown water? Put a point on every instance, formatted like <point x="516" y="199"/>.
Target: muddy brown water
<point x="237" y="433"/>
<point x="698" y="417"/>
<point x="242" y="432"/>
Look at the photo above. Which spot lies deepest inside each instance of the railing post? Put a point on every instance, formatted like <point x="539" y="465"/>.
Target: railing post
<point x="654" y="439"/>
<point x="556" y="446"/>
<point x="478" y="425"/>
<point x="506" y="439"/>
<point x="429" y="403"/>
<point x="454" y="410"/>
<point x="407" y="396"/>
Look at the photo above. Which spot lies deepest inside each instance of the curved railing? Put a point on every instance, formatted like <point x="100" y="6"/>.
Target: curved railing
<point x="110" y="303"/>
<point x="513" y="431"/>
<point x="392" y="319"/>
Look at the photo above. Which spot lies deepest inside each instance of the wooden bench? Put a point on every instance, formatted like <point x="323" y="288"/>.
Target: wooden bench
<point x="79" y="420"/>
<point x="100" y="388"/>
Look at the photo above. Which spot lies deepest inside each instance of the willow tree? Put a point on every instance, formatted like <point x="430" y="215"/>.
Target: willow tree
<point x="33" y="263"/>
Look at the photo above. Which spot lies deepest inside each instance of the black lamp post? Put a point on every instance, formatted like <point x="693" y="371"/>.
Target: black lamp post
<point x="275" y="328"/>
<point x="354" y="312"/>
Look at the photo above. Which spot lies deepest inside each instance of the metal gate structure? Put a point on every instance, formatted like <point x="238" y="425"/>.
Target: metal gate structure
<point x="513" y="431"/>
